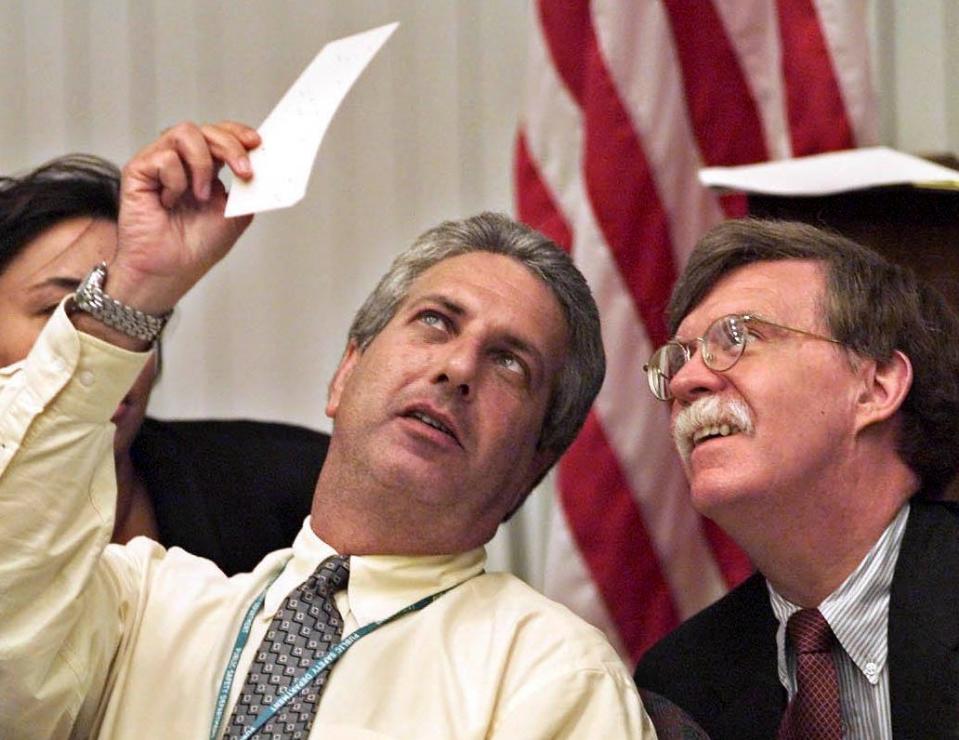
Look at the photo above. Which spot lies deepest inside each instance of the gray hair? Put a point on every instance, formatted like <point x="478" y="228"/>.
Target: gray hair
<point x="582" y="374"/>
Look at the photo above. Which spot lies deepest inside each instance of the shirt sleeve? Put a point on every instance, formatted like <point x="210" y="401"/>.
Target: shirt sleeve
<point x="584" y="704"/>
<point x="61" y="613"/>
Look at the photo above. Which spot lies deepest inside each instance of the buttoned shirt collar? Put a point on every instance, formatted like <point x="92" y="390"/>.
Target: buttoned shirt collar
<point x="380" y="585"/>
<point x="857" y="611"/>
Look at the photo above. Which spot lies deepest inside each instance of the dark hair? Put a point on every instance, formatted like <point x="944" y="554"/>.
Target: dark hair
<point x="67" y="187"/>
<point x="581" y="376"/>
<point x="873" y="307"/>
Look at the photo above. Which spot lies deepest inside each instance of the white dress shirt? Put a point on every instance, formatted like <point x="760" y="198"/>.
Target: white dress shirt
<point x="858" y="614"/>
<point x="132" y="641"/>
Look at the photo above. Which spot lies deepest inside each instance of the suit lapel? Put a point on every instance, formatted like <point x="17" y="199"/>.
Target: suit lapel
<point x="755" y="711"/>
<point x="753" y="697"/>
<point x="924" y="625"/>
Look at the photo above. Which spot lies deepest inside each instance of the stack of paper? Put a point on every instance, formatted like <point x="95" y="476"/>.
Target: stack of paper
<point x="835" y="172"/>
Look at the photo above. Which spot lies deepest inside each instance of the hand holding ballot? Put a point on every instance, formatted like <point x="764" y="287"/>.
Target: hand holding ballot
<point x="176" y="220"/>
<point x="172" y="229"/>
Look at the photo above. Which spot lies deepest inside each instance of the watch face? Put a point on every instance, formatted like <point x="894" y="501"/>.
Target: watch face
<point x="97" y="276"/>
<point x="92" y="283"/>
<point x="90" y="289"/>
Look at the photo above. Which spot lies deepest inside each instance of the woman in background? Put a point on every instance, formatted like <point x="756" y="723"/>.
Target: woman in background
<point x="215" y="488"/>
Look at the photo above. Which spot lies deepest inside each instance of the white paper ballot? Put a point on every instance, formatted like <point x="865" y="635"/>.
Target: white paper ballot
<point x="293" y="131"/>
<point x="834" y="172"/>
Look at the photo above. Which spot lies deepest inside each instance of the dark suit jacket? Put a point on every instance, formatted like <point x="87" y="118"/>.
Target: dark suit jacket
<point x="720" y="665"/>
<point x="230" y="491"/>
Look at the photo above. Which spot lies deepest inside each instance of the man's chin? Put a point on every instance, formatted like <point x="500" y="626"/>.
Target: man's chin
<point x="722" y="498"/>
<point x="710" y="489"/>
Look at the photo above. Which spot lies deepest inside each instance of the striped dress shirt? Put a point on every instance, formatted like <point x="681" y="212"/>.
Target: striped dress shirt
<point x="858" y="613"/>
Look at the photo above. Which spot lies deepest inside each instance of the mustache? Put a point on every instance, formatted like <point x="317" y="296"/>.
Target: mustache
<point x="707" y="412"/>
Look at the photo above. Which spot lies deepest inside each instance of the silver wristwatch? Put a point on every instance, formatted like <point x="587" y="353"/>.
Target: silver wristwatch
<point x="91" y="299"/>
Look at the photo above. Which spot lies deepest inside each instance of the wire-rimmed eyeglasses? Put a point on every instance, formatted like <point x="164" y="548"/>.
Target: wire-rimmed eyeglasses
<point x="722" y="345"/>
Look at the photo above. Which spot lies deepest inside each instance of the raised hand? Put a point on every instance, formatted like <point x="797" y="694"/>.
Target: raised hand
<point x="171" y="226"/>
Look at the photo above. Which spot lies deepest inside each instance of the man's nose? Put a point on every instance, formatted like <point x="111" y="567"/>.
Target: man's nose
<point x="457" y="366"/>
<point x="695" y="379"/>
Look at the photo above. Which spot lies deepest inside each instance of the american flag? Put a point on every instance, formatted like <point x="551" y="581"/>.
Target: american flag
<point x="626" y="100"/>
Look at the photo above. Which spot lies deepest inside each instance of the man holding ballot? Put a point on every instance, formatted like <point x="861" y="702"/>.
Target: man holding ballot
<point x="467" y="372"/>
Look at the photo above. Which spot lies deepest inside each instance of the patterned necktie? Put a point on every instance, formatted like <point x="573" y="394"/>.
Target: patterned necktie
<point x="814" y="712"/>
<point x="305" y="626"/>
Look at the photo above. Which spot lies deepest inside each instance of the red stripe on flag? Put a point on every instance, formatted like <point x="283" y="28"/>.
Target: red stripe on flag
<point x="534" y="202"/>
<point x="722" y="110"/>
<point x="618" y="177"/>
<point x="612" y="537"/>
<point x="815" y="108"/>
<point x="721" y="106"/>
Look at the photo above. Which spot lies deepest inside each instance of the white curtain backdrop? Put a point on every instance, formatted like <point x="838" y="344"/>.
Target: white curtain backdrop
<point x="426" y="134"/>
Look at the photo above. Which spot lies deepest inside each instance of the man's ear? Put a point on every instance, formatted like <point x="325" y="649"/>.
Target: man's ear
<point x="335" y="391"/>
<point x="885" y="386"/>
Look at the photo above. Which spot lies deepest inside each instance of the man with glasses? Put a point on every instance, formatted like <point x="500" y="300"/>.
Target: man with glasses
<point x="814" y="395"/>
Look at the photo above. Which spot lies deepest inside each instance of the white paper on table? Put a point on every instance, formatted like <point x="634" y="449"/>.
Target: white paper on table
<point x="833" y="172"/>
<point x="292" y="133"/>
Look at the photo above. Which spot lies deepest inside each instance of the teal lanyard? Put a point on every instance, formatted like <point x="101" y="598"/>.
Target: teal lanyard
<point x="319" y="665"/>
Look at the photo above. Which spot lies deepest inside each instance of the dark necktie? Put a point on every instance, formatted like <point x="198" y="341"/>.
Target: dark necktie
<point x="305" y="626"/>
<point x="814" y="712"/>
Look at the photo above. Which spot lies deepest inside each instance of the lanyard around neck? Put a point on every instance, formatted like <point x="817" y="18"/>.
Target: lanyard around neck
<point x="319" y="665"/>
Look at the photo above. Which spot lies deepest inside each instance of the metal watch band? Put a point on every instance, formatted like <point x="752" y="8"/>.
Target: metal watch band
<point x="133" y="322"/>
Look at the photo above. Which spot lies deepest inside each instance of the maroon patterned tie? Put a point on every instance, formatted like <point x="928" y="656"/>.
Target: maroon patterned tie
<point x="814" y="712"/>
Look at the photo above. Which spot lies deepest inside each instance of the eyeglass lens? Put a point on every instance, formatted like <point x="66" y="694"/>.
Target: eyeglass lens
<point x="722" y="346"/>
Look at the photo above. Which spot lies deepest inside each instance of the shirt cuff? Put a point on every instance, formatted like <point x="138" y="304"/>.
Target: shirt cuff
<point x="81" y="375"/>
